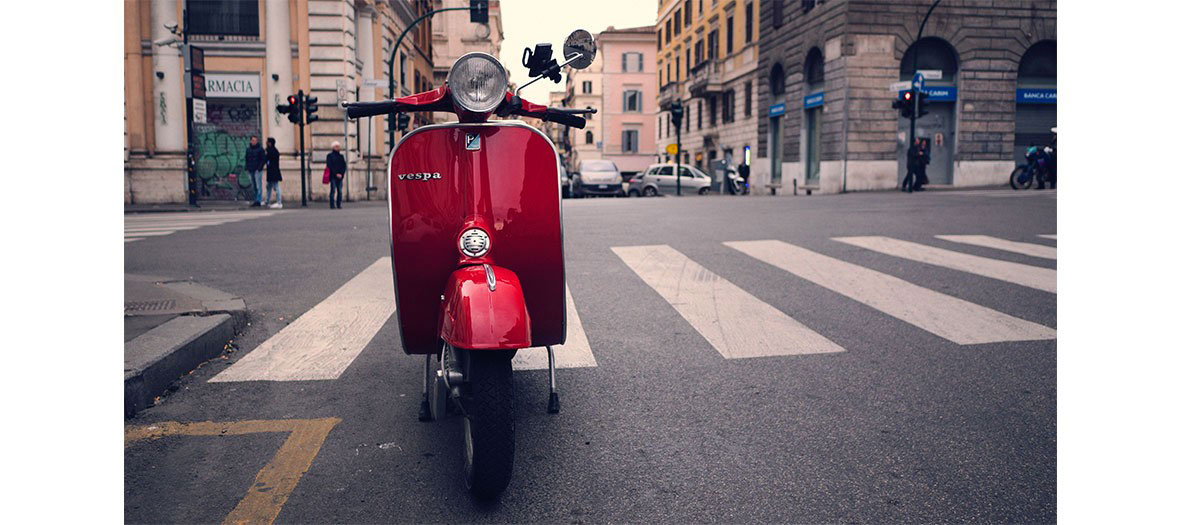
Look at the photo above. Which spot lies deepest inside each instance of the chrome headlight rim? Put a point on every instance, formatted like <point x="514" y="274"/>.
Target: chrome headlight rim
<point x="461" y="97"/>
<point x="474" y="242"/>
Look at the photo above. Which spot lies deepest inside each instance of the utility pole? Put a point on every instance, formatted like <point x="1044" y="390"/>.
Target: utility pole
<point x="479" y="15"/>
<point x="676" y="109"/>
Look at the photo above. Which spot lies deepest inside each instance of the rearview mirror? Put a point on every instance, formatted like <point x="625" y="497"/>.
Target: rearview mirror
<point x="580" y="42"/>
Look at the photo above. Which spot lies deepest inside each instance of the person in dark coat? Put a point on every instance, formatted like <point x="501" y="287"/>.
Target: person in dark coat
<point x="913" y="158"/>
<point x="923" y="160"/>
<point x="336" y="169"/>
<point x="255" y="161"/>
<point x="273" y="175"/>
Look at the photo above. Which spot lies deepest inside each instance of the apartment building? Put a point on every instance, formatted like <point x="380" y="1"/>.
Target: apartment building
<point x="584" y="90"/>
<point x="629" y="86"/>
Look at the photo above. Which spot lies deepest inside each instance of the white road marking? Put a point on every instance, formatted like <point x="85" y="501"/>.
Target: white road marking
<point x="737" y="324"/>
<point x="1026" y="248"/>
<point x="321" y="343"/>
<point x="1053" y="236"/>
<point x="948" y="317"/>
<point x="131" y="239"/>
<point x="152" y="225"/>
<point x="575" y="353"/>
<point x="1022" y="274"/>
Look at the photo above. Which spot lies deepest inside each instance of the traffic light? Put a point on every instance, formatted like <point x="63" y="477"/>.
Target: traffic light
<point x="403" y="121"/>
<point x="921" y="103"/>
<point x="479" y="11"/>
<point x="905" y="104"/>
<point x="677" y="112"/>
<point x="310" y="107"/>
<point x="291" y="109"/>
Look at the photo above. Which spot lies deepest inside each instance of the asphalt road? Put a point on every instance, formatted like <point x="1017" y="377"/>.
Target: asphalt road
<point x="902" y="426"/>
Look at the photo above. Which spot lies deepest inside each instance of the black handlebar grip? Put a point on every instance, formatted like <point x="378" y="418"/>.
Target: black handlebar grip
<point x="369" y="109"/>
<point x="567" y="119"/>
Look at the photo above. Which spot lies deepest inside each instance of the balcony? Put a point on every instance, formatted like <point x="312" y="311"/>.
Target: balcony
<point x="705" y="79"/>
<point x="669" y="93"/>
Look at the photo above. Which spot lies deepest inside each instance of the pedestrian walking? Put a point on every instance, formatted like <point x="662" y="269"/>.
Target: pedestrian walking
<point x="920" y="178"/>
<point x="255" y="161"/>
<point x="336" y="169"/>
<point x="912" y="159"/>
<point x="273" y="175"/>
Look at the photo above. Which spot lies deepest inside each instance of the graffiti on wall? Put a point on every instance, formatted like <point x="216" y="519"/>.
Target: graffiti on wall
<point x="221" y="149"/>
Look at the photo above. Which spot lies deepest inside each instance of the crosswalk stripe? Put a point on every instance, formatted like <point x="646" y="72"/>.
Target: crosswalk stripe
<point x="131" y="239"/>
<point x="948" y="317"/>
<point x="153" y="234"/>
<point x="1053" y="236"/>
<point x="1026" y="248"/>
<point x="158" y="229"/>
<point x="737" y="324"/>
<point x="575" y="353"/>
<point x="1022" y="274"/>
<point x="321" y="343"/>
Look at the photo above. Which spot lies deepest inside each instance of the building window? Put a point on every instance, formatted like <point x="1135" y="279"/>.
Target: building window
<point x="731" y="105"/>
<point x="807" y="5"/>
<point x="714" y="42"/>
<point x="659" y="128"/>
<point x="632" y="101"/>
<point x="630" y="141"/>
<point x="676" y="23"/>
<point x="667" y="31"/>
<point x="776" y="12"/>
<point x="632" y="62"/>
<point x="749" y="22"/>
<point x="586" y="85"/>
<point x="688" y="119"/>
<point x="402" y="81"/>
<point x="749" y="99"/>
<point x="589" y="137"/>
<point x="688" y="55"/>
<point x="700" y="112"/>
<point x="729" y="36"/>
<point x="688" y="13"/>
<point x="712" y="112"/>
<point x="223" y="17"/>
<point x="659" y="39"/>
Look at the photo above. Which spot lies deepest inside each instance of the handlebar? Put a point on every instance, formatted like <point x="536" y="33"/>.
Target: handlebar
<point x="568" y="117"/>
<point x="370" y="109"/>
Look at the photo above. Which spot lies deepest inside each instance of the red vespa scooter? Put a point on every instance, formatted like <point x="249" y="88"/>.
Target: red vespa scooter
<point x="475" y="232"/>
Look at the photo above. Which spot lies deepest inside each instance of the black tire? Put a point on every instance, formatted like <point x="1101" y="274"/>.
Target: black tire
<point x="704" y="191"/>
<point x="489" y="429"/>
<point x="650" y="191"/>
<point x="633" y="193"/>
<point x="1015" y="183"/>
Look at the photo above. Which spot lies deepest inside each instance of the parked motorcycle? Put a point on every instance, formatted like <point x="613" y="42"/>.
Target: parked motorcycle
<point x="1040" y="166"/>
<point x="735" y="184"/>
<point x="475" y="233"/>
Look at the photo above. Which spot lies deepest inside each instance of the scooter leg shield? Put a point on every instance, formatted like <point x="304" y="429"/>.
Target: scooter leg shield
<point x="483" y="308"/>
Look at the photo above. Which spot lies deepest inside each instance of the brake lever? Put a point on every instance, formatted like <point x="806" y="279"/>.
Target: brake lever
<point x="509" y="107"/>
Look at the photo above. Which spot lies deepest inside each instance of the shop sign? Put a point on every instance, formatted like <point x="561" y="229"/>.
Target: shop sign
<point x="813" y="100"/>
<point x="938" y="93"/>
<point x="1036" y="96"/>
<point x="778" y="109"/>
<point x="200" y="113"/>
<point x="232" y="85"/>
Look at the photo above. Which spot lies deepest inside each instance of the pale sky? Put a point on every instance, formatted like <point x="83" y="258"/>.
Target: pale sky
<point x="529" y="22"/>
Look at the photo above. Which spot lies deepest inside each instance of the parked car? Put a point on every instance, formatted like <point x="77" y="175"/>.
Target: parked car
<point x="597" y="177"/>
<point x="659" y="178"/>
<point x="564" y="179"/>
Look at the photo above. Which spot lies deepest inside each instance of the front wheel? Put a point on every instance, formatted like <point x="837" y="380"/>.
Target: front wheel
<point x="704" y="191"/>
<point x="489" y="432"/>
<point x="1017" y="179"/>
<point x="649" y="191"/>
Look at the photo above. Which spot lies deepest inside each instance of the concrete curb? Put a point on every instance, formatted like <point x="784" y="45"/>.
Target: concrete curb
<point x="152" y="361"/>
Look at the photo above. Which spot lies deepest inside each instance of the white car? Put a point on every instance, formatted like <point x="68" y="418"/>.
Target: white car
<point x="659" y="178"/>
<point x="597" y="177"/>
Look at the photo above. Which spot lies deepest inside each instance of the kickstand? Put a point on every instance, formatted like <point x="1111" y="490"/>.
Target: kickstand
<point x="554" y="402"/>
<point x="424" y="408"/>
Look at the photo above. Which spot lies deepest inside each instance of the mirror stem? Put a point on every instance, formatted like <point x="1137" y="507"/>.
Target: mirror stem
<point x="548" y="71"/>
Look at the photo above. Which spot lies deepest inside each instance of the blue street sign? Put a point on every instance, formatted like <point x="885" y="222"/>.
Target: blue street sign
<point x="813" y="100"/>
<point x="1036" y="96"/>
<point x="919" y="82"/>
<point x="778" y="109"/>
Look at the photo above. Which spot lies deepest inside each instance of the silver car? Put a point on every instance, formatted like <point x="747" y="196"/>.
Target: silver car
<point x="659" y="178"/>
<point x="563" y="178"/>
<point x="597" y="177"/>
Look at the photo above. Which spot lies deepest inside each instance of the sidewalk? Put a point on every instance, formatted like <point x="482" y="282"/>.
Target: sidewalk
<point x="170" y="327"/>
<point x="204" y="206"/>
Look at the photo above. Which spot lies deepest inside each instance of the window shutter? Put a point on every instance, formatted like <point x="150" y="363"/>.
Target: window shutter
<point x="640" y="55"/>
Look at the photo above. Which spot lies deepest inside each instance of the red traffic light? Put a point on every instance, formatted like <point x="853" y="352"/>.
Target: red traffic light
<point x="909" y="95"/>
<point x="291" y="99"/>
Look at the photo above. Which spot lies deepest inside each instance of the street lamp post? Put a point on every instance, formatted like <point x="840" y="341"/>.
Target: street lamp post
<point x="914" y="115"/>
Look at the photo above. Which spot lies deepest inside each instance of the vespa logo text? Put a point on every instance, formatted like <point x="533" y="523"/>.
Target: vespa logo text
<point x="418" y="176"/>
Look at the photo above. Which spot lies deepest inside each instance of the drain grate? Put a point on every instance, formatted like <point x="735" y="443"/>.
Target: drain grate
<point x="148" y="306"/>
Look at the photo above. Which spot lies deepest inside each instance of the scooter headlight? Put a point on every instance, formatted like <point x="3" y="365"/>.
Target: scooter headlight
<point x="474" y="242"/>
<point x="477" y="82"/>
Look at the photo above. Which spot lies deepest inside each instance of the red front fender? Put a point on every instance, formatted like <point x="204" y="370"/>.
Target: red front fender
<point x="476" y="317"/>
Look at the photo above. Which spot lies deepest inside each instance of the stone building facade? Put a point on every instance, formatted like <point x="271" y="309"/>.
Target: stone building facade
<point x="824" y="79"/>
<point x="708" y="60"/>
<point x="256" y="53"/>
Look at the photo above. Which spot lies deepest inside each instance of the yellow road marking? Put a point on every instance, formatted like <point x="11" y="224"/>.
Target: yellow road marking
<point x="277" y="479"/>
